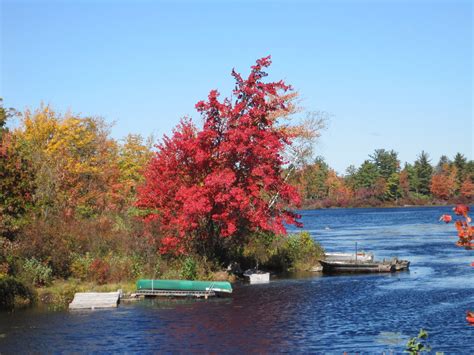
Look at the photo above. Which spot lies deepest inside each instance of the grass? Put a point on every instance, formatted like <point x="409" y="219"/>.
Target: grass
<point x="60" y="293"/>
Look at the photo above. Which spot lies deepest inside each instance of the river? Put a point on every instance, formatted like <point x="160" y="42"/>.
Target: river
<point x="303" y="313"/>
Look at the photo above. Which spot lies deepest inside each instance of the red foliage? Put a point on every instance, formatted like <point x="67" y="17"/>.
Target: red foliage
<point x="218" y="182"/>
<point x="100" y="271"/>
<point x="467" y="188"/>
<point x="466" y="236"/>
<point x="440" y="187"/>
<point x="446" y="218"/>
<point x="465" y="230"/>
<point x="461" y="210"/>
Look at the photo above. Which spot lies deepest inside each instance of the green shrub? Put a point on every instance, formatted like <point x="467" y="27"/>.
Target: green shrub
<point x="189" y="269"/>
<point x="125" y="267"/>
<point x="298" y="252"/>
<point x="37" y="272"/>
<point x="48" y="240"/>
<point x="9" y="260"/>
<point x="261" y="247"/>
<point x="59" y="294"/>
<point x="11" y="289"/>
<point x="80" y="266"/>
<point x="137" y="267"/>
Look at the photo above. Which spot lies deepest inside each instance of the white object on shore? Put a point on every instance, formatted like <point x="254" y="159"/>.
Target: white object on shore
<point x="257" y="277"/>
<point x="93" y="300"/>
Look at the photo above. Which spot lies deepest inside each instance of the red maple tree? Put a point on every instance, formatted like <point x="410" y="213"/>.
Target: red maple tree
<point x="213" y="188"/>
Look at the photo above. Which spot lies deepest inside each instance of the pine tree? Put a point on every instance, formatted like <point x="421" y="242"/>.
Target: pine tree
<point x="386" y="162"/>
<point x="460" y="162"/>
<point x="423" y="172"/>
<point x="367" y="175"/>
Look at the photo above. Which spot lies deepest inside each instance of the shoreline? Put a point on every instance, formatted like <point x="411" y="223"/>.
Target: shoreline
<point x="306" y="208"/>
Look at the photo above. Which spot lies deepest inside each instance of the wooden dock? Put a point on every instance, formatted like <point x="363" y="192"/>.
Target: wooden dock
<point x="93" y="300"/>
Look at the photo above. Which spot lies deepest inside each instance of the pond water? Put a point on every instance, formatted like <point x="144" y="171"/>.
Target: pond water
<point x="304" y="313"/>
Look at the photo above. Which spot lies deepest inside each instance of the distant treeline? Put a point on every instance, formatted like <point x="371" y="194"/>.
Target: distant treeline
<point x="382" y="181"/>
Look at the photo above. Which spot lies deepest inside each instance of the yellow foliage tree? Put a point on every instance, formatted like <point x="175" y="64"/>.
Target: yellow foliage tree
<point x="75" y="161"/>
<point x="134" y="154"/>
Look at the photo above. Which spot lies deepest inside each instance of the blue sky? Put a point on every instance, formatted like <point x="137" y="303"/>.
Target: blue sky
<point x="393" y="74"/>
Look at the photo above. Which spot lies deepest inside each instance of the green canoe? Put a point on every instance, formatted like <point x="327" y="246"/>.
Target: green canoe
<point x="184" y="285"/>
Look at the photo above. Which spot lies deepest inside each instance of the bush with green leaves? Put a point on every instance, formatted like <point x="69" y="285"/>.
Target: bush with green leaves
<point x="11" y="289"/>
<point x="38" y="273"/>
<point x="8" y="257"/>
<point x="137" y="266"/>
<point x="189" y="269"/>
<point x="80" y="265"/>
<point x="261" y="247"/>
<point x="298" y="252"/>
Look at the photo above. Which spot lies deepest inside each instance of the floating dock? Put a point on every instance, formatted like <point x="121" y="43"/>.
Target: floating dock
<point x="93" y="300"/>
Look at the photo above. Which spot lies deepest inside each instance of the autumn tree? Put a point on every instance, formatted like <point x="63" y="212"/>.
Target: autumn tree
<point x="338" y="193"/>
<point x="16" y="185"/>
<point x="134" y="155"/>
<point x="443" y="184"/>
<point x="75" y="163"/>
<point x="467" y="189"/>
<point x="212" y="189"/>
<point x="404" y="182"/>
<point x="311" y="180"/>
<point x="470" y="170"/>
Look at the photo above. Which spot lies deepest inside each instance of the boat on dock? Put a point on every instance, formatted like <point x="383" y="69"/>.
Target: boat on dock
<point x="182" y="288"/>
<point x="360" y="256"/>
<point x="360" y="262"/>
<point x="401" y="265"/>
<point x="353" y="266"/>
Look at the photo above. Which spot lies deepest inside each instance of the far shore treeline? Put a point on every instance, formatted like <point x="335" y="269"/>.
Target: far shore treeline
<point x="382" y="180"/>
<point x="80" y="206"/>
